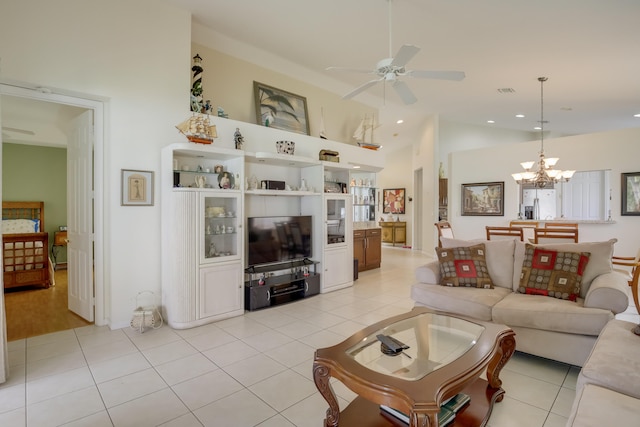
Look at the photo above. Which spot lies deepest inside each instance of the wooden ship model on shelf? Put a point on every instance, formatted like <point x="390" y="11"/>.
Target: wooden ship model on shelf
<point x="198" y="129"/>
<point x="364" y="133"/>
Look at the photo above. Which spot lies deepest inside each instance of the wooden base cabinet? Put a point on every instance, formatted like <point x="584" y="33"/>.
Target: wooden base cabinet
<point x="394" y="232"/>
<point x="367" y="248"/>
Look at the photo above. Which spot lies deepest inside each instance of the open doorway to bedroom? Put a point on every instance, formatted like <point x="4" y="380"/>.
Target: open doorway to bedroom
<point x="34" y="168"/>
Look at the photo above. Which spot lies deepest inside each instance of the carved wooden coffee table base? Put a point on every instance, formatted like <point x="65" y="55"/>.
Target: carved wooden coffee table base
<point x="410" y="397"/>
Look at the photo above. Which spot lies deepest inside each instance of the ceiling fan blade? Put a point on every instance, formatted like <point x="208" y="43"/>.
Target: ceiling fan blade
<point x="404" y="55"/>
<point x="442" y="75"/>
<point x="404" y="92"/>
<point x="351" y="70"/>
<point x="361" y="88"/>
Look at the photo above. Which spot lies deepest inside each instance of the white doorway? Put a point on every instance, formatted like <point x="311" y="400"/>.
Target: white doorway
<point x="85" y="208"/>
<point x="418" y="210"/>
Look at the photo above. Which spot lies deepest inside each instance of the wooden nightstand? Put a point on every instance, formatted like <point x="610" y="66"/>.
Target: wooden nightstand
<point x="59" y="240"/>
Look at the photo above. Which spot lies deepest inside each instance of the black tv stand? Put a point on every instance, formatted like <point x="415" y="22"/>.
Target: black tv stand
<point x="272" y="284"/>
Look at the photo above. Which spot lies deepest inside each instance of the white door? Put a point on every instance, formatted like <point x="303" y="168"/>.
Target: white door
<point x="80" y="216"/>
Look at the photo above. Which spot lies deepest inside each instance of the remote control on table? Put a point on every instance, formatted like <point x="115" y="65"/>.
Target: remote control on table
<point x="391" y="343"/>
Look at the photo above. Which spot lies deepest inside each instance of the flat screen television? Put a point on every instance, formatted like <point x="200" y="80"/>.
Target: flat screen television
<point x="276" y="239"/>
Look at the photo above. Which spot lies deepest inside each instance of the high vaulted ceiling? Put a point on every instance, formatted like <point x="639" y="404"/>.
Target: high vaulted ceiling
<point x="589" y="50"/>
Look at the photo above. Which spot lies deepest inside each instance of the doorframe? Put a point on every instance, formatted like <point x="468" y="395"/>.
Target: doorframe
<point x="98" y="105"/>
<point x="418" y="216"/>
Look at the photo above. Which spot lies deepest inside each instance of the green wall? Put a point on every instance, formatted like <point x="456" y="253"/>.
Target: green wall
<point x="35" y="173"/>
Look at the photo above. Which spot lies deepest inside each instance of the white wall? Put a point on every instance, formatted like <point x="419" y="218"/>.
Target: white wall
<point x="458" y="136"/>
<point x="617" y="150"/>
<point x="136" y="53"/>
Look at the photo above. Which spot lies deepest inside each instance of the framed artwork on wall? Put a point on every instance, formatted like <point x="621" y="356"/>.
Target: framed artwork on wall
<point x="137" y="188"/>
<point x="630" y="188"/>
<point x="280" y="109"/>
<point x="483" y="199"/>
<point x="393" y="201"/>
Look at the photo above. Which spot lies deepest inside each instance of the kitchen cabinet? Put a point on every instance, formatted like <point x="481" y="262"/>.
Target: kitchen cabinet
<point x="367" y="248"/>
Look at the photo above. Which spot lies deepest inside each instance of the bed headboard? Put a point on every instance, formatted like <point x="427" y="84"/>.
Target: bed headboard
<point x="24" y="210"/>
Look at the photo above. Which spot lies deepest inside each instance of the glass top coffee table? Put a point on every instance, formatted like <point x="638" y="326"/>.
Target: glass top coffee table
<point x="432" y="357"/>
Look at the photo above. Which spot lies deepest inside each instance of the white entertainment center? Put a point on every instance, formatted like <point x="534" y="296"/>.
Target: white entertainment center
<point x="209" y="192"/>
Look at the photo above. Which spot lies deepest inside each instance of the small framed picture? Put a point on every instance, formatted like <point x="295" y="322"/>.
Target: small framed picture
<point x="483" y="199"/>
<point x="137" y="188"/>
<point x="62" y="228"/>
<point x="630" y="197"/>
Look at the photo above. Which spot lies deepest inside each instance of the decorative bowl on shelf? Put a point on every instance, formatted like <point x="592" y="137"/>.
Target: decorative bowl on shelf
<point x="285" y="147"/>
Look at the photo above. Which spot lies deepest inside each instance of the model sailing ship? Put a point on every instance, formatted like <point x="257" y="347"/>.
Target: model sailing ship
<point x="198" y="129"/>
<point x="364" y="133"/>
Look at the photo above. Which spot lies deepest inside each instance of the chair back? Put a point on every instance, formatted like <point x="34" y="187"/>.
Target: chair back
<point x="494" y="233"/>
<point x="561" y="224"/>
<point x="527" y="228"/>
<point x="555" y="235"/>
<point x="444" y="230"/>
<point x="632" y="272"/>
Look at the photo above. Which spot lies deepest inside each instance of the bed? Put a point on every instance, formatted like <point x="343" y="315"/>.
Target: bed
<point x="25" y="248"/>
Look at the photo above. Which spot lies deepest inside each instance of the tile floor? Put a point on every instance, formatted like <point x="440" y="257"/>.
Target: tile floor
<point x="253" y="370"/>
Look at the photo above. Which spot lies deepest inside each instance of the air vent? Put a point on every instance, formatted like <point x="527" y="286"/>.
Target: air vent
<point x="506" y="90"/>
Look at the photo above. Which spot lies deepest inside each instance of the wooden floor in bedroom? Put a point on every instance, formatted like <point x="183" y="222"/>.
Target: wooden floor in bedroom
<point x="37" y="311"/>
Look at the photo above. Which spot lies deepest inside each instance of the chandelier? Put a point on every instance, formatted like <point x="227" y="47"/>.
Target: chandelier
<point x="544" y="174"/>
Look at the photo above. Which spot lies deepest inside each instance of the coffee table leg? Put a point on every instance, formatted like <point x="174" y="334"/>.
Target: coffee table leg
<point x="506" y="347"/>
<point x="321" y="378"/>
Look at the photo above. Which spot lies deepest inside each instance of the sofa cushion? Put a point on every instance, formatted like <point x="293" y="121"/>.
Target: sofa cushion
<point x="464" y="266"/>
<point x="599" y="261"/>
<point x="552" y="314"/>
<point x="552" y="273"/>
<point x="499" y="257"/>
<point x="613" y="362"/>
<point x="471" y="302"/>
<point x="597" y="406"/>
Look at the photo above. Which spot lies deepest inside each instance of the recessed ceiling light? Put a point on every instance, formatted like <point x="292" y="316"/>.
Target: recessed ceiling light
<point x="520" y="116"/>
<point x="400" y="121"/>
<point x="537" y="128"/>
<point x="491" y="121"/>
<point x="636" y="115"/>
<point x="356" y="167"/>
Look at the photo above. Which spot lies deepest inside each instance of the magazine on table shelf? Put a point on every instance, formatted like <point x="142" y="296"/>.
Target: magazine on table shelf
<point x="447" y="410"/>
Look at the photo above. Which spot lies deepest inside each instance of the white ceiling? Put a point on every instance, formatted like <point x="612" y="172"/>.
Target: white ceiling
<point x="587" y="48"/>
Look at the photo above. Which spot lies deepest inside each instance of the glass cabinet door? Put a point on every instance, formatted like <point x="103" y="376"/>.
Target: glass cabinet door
<point x="336" y="211"/>
<point x="221" y="227"/>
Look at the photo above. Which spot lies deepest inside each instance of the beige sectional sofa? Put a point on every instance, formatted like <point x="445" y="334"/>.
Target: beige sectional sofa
<point x="608" y="387"/>
<point x="548" y="327"/>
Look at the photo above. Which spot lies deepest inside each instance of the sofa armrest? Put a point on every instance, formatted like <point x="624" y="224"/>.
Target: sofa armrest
<point x="429" y="273"/>
<point x="608" y="291"/>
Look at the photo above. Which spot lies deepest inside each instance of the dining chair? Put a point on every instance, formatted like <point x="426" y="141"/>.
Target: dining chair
<point x="555" y="235"/>
<point x="504" y="232"/>
<point x="631" y="271"/>
<point x="527" y="228"/>
<point x="444" y="230"/>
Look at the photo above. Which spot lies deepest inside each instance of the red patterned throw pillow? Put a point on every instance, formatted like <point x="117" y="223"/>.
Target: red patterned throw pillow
<point x="552" y="273"/>
<point x="464" y="267"/>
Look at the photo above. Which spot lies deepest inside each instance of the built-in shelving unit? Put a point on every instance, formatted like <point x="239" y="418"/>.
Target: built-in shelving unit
<point x="209" y="192"/>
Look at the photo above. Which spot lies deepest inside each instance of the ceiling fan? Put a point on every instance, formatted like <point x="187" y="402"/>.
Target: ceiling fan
<point x="389" y="70"/>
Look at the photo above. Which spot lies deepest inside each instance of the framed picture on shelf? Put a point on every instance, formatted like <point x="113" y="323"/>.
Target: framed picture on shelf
<point x="280" y="109"/>
<point x="137" y="188"/>
<point x="393" y="201"/>
<point x="483" y="199"/>
<point x="630" y="188"/>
